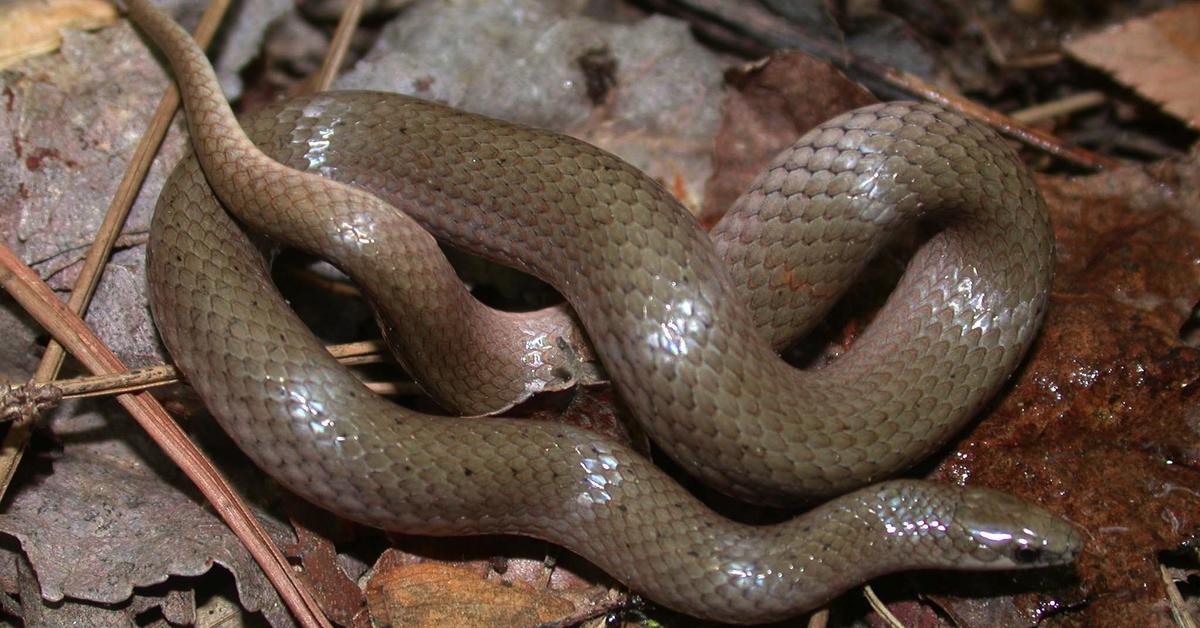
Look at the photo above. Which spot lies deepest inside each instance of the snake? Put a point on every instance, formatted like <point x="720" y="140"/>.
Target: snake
<point x="685" y="322"/>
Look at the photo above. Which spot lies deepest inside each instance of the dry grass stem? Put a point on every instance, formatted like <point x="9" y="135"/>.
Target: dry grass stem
<point x="1060" y="107"/>
<point x="1179" y="607"/>
<point x="338" y="45"/>
<point x="1002" y="123"/>
<point x="880" y="608"/>
<point x="32" y="398"/>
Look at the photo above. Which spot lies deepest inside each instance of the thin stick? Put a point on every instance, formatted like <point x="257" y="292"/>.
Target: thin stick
<point x="1002" y="123"/>
<point x="394" y="389"/>
<point x="880" y="608"/>
<point x="338" y="45"/>
<point x="68" y="329"/>
<point x="118" y="210"/>
<point x="1060" y="107"/>
<point x="147" y="377"/>
<point x="1179" y="607"/>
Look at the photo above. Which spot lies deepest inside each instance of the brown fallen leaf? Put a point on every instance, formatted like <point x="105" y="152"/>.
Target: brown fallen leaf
<point x="436" y="595"/>
<point x="34" y="27"/>
<point x="541" y="566"/>
<point x="1158" y="56"/>
<point x="768" y="105"/>
<point x="35" y="612"/>
<point x="98" y="529"/>
<point x="337" y="594"/>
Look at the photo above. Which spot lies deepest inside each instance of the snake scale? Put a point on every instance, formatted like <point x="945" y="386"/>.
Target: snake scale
<point x="687" y="339"/>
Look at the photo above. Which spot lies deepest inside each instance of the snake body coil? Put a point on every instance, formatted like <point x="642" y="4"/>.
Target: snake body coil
<point x="661" y="309"/>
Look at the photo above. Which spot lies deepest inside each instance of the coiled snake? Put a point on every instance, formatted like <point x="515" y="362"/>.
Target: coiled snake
<point x="690" y="353"/>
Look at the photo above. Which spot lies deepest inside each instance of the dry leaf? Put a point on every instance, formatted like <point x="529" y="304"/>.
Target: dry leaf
<point x="1158" y="56"/>
<point x="95" y="529"/>
<point x="767" y="106"/>
<point x="335" y="592"/>
<point x="33" y="27"/>
<point x="431" y="594"/>
<point x="35" y="612"/>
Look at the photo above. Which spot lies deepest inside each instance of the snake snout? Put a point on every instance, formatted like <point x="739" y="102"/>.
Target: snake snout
<point x="1012" y="533"/>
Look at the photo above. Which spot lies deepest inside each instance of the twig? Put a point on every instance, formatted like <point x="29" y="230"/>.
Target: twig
<point x="25" y="401"/>
<point x="1127" y="141"/>
<point x="35" y="397"/>
<point x="1179" y="610"/>
<point x="1060" y="107"/>
<point x="89" y="277"/>
<point x="1000" y="122"/>
<point x="331" y="285"/>
<point x="1031" y="61"/>
<point x="394" y="389"/>
<point x="68" y="329"/>
<point x="995" y="52"/>
<point x="880" y="608"/>
<point x="338" y="45"/>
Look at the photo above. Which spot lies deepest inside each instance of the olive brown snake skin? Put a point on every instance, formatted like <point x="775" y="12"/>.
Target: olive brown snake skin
<point x="691" y="359"/>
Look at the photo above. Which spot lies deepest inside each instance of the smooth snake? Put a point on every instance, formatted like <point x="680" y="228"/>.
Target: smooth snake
<point x="685" y="329"/>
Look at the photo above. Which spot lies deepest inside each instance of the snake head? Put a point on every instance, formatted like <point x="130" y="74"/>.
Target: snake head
<point x="1006" y="532"/>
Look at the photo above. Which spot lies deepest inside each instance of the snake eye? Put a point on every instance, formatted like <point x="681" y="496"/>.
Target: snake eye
<point x="1027" y="555"/>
